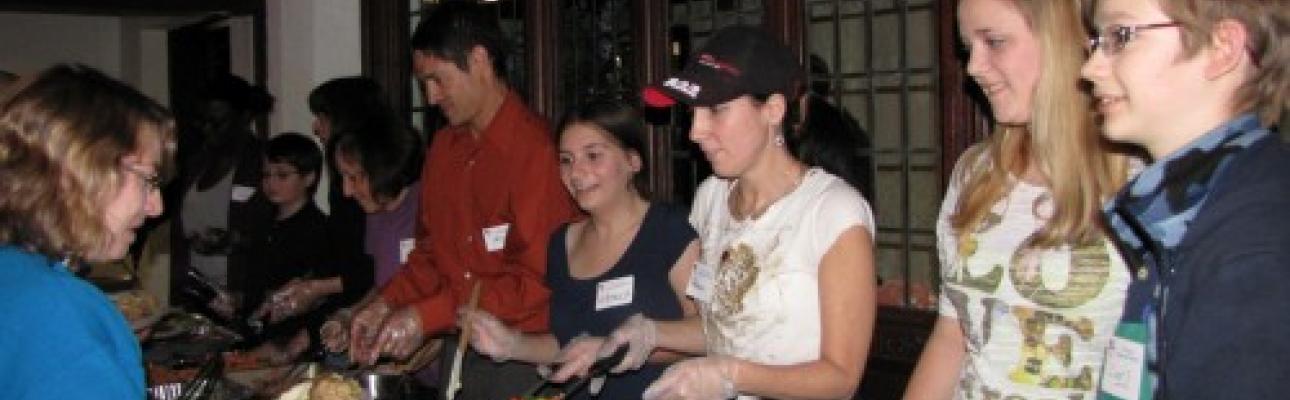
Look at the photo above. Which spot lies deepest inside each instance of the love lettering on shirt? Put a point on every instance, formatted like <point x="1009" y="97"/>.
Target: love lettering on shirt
<point x="1089" y="273"/>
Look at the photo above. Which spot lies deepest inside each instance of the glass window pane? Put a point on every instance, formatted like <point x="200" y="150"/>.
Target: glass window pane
<point x="885" y="75"/>
<point x="921" y="42"/>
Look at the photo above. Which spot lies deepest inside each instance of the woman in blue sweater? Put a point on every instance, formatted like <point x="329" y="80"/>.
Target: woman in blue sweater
<point x="80" y="156"/>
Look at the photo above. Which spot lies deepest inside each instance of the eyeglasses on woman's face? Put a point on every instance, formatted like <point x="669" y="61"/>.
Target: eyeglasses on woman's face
<point x="151" y="181"/>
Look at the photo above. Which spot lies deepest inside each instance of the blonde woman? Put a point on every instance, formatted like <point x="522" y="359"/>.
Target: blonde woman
<point x="80" y="155"/>
<point x="1031" y="286"/>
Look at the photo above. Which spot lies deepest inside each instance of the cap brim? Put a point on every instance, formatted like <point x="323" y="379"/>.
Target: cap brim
<point x="657" y="97"/>
<point x="695" y="86"/>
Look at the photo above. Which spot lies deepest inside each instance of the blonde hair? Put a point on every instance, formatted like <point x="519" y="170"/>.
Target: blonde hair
<point x="63" y="135"/>
<point x="1060" y="140"/>
<point x="1267" y="23"/>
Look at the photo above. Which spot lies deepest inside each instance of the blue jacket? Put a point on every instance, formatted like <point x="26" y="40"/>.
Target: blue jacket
<point x="60" y="337"/>
<point x="1223" y="308"/>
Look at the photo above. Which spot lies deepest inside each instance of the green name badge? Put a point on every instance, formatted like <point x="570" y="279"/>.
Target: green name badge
<point x="1124" y="372"/>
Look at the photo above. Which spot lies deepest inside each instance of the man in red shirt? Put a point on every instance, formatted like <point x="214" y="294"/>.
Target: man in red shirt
<point x="491" y="197"/>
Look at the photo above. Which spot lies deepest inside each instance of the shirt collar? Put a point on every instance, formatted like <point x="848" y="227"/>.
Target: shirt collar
<point x="497" y="134"/>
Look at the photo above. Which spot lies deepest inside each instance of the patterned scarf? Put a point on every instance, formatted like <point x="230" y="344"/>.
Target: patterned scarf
<point x="1152" y="215"/>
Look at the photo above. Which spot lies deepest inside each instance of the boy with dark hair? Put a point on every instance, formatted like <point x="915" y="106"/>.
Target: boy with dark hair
<point x="289" y="250"/>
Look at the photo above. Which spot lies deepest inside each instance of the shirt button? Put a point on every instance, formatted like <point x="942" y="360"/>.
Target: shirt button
<point x="470" y="239"/>
<point x="467" y="274"/>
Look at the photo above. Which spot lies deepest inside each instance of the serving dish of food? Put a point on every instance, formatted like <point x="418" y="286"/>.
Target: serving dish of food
<point x="141" y="309"/>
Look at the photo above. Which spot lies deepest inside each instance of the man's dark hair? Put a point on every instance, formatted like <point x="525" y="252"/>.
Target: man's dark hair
<point x="453" y="28"/>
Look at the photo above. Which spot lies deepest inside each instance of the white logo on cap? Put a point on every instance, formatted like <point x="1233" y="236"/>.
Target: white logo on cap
<point x="690" y="89"/>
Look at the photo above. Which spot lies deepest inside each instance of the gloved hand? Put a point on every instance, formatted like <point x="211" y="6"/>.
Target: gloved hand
<point x="335" y="333"/>
<point x="575" y="359"/>
<point x="223" y="305"/>
<point x="401" y="335"/>
<point x="639" y="334"/>
<point x="704" y="378"/>
<point x="365" y="327"/>
<point x="292" y="299"/>
<point x="488" y="335"/>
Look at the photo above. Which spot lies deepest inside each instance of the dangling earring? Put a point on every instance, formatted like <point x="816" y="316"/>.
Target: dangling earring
<point x="779" y="139"/>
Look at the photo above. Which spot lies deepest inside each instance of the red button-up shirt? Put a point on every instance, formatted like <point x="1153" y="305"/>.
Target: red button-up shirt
<point x="507" y="177"/>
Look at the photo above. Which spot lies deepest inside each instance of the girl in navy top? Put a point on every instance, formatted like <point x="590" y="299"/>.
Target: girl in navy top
<point x="626" y="258"/>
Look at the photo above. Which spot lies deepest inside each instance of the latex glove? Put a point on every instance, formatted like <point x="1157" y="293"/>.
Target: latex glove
<point x="575" y="358"/>
<point x="400" y="336"/>
<point x="704" y="378"/>
<point x="223" y="305"/>
<point x="335" y="333"/>
<point x="639" y="334"/>
<point x="287" y="353"/>
<point x="488" y="335"/>
<point x="365" y="327"/>
<point x="292" y="299"/>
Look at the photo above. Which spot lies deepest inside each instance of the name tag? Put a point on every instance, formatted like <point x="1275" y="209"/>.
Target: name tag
<point x="701" y="282"/>
<point x="495" y="237"/>
<point x="241" y="194"/>
<point x="405" y="248"/>
<point x="614" y="292"/>
<point x="1124" y="371"/>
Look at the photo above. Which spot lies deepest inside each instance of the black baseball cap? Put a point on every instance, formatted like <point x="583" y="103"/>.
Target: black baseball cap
<point x="735" y="61"/>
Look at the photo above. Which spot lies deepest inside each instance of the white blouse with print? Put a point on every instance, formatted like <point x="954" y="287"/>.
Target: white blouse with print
<point x="1035" y="321"/>
<point x="764" y="292"/>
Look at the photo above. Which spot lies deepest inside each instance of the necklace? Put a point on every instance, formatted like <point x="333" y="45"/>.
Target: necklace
<point x="740" y="211"/>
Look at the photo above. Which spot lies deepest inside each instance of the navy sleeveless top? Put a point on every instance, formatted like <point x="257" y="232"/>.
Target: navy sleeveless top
<point x="663" y="235"/>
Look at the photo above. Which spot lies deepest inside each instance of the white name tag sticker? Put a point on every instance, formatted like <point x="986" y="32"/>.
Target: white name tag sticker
<point x="614" y="292"/>
<point x="405" y="248"/>
<point x="1122" y="371"/>
<point x="701" y="281"/>
<point x="495" y="237"/>
<point x="241" y="194"/>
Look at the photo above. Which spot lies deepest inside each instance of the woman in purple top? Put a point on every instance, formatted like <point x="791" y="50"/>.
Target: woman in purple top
<point x="379" y="168"/>
<point x="381" y="172"/>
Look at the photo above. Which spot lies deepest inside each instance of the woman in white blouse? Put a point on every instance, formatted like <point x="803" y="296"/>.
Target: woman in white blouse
<point x="785" y="280"/>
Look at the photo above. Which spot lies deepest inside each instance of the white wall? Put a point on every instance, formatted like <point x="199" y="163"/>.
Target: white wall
<point x="132" y="49"/>
<point x="308" y="42"/>
<point x="32" y="42"/>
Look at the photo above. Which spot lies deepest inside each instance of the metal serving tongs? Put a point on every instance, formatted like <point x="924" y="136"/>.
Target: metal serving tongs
<point x="202" y="386"/>
<point x="598" y="368"/>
